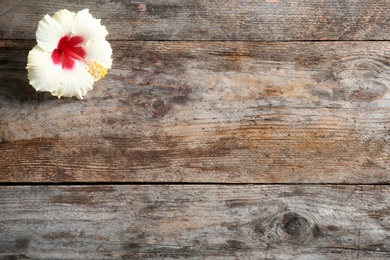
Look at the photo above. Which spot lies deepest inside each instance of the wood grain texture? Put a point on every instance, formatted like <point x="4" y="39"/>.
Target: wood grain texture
<point x="205" y="112"/>
<point x="265" y="20"/>
<point x="240" y="92"/>
<point x="196" y="222"/>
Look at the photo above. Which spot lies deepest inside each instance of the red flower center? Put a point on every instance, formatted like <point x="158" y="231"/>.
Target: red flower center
<point x="68" y="51"/>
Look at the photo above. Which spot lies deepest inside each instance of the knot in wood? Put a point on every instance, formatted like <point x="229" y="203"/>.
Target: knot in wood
<point x="159" y="107"/>
<point x="296" y="227"/>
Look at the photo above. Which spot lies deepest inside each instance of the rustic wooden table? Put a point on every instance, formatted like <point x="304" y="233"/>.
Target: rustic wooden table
<point x="225" y="130"/>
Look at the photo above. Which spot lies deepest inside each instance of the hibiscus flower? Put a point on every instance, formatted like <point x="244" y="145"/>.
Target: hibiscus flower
<point x="71" y="54"/>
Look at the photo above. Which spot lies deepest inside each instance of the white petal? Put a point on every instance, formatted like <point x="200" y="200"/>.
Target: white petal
<point x="77" y="82"/>
<point x="44" y="75"/>
<point x="88" y="27"/>
<point x="52" y="29"/>
<point x="65" y="18"/>
<point x="99" y="51"/>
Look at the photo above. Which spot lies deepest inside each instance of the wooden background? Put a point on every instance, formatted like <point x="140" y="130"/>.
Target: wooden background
<point x="225" y="130"/>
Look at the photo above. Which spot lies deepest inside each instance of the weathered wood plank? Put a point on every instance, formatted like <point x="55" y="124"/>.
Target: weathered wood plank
<point x="205" y="112"/>
<point x="221" y="222"/>
<point x="266" y="20"/>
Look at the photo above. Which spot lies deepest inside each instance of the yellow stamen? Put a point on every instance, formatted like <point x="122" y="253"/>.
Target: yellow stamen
<point x="96" y="70"/>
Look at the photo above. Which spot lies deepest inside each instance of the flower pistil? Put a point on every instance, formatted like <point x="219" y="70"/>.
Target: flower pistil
<point x="68" y="50"/>
<point x="96" y="70"/>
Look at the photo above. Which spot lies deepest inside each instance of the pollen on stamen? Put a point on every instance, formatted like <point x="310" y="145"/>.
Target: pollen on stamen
<point x="96" y="70"/>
